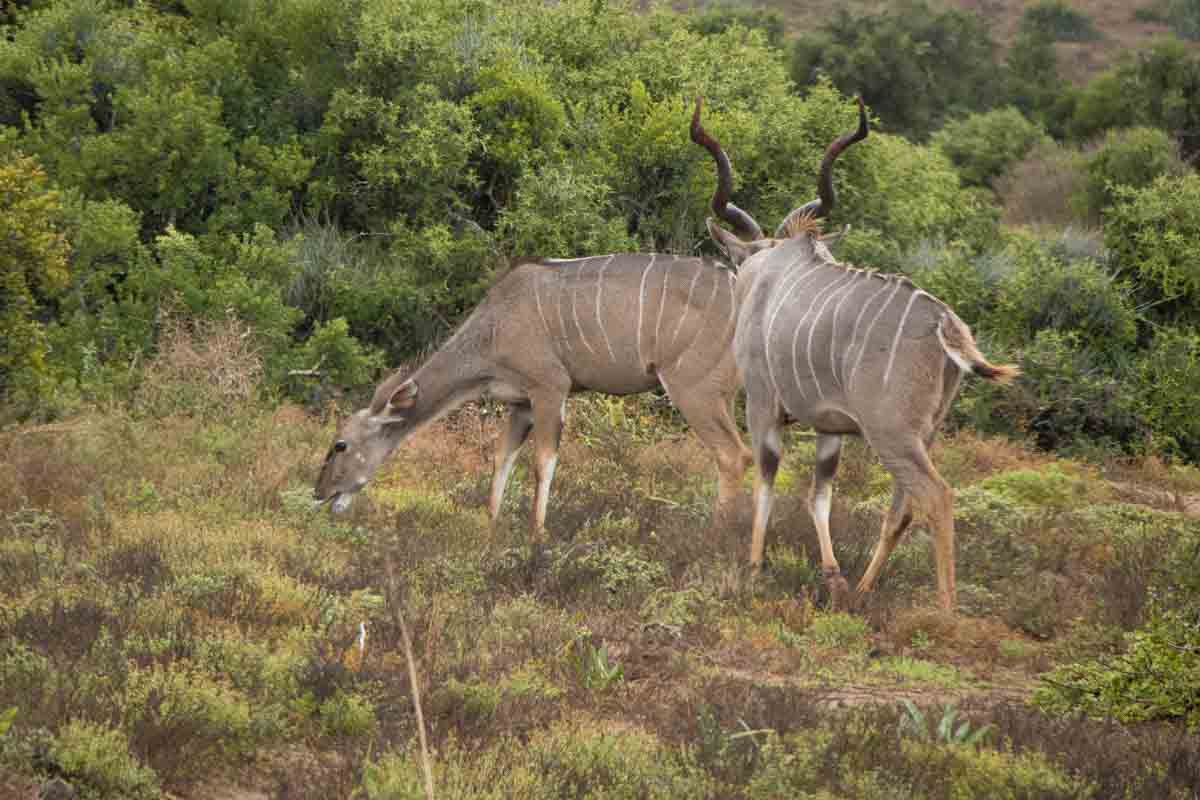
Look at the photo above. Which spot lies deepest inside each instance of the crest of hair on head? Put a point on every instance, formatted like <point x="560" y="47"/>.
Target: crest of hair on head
<point x="804" y="223"/>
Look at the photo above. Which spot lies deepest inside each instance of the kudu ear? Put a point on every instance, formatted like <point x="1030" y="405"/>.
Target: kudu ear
<point x="403" y="399"/>
<point x="405" y="396"/>
<point x="736" y="249"/>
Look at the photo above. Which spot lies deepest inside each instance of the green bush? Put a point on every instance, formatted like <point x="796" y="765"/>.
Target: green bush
<point x="1168" y="381"/>
<point x="96" y="760"/>
<point x="983" y="145"/>
<point x="1132" y="158"/>
<point x="914" y="63"/>
<point x="1059" y="20"/>
<point x="1077" y="296"/>
<point x="1155" y="678"/>
<point x="1154" y="233"/>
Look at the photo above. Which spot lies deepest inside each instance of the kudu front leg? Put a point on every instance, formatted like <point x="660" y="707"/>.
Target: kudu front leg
<point x="820" y="503"/>
<point x="517" y="428"/>
<point x="548" y="411"/>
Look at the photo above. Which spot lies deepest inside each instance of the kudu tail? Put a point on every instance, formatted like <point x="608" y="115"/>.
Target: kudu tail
<point x="959" y="345"/>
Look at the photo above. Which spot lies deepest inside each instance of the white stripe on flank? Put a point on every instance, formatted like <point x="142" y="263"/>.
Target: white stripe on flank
<point x="854" y="336"/>
<point x="662" y="302"/>
<point x="867" y="335"/>
<point x="812" y="329"/>
<point x="599" y="293"/>
<point x="642" y="304"/>
<point x="570" y="260"/>
<point x="562" y="326"/>
<point x="800" y="278"/>
<point x="801" y="325"/>
<point x="712" y="298"/>
<point x="578" y="327"/>
<point x="538" y="294"/>
<point x="686" y="306"/>
<point x="896" y="338"/>
<point x="833" y="326"/>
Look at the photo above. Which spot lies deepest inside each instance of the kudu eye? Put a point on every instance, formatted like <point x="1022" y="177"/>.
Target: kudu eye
<point x="340" y="446"/>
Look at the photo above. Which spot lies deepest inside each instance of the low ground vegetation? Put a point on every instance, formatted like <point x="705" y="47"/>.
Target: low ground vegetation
<point x="180" y="620"/>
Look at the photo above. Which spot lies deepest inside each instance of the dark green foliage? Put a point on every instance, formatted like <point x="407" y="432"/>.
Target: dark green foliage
<point x="1032" y="82"/>
<point x="915" y="64"/>
<point x="1060" y="20"/>
<point x="719" y="16"/>
<point x="983" y="145"/>
<point x="1168" y="387"/>
<point x="1159" y="87"/>
<point x="1132" y="158"/>
<point x="1154" y="235"/>
<point x="1155" y="678"/>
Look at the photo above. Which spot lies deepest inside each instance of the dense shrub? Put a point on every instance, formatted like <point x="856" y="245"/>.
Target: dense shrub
<point x="1132" y="157"/>
<point x="983" y="145"/>
<point x="1155" y="678"/>
<point x="1168" y="381"/>
<point x="1154" y="233"/>
<point x="1158" y="87"/>
<point x="1039" y="188"/>
<point x="1059" y="20"/>
<point x="33" y="269"/>
<point x="913" y="63"/>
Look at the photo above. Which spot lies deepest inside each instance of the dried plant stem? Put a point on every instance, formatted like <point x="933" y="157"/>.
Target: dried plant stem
<point x="426" y="767"/>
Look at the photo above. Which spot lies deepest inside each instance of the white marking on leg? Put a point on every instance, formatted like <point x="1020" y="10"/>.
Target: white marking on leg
<point x="641" y="306"/>
<point x="833" y="338"/>
<point x="599" y="293"/>
<point x="867" y="335"/>
<point x="812" y="329"/>
<point x="857" y="320"/>
<point x="896" y="339"/>
<point x="501" y="481"/>
<point x="545" y="475"/>
<point x="686" y="306"/>
<point x="578" y="327"/>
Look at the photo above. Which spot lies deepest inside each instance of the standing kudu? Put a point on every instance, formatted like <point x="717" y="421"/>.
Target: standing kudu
<point x="618" y="324"/>
<point x="845" y="351"/>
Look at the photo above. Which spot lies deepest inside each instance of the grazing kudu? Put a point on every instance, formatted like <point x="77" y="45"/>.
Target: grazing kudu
<point x="845" y="351"/>
<point x="618" y="324"/>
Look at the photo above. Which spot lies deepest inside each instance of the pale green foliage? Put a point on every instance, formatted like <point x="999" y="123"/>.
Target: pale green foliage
<point x="33" y="268"/>
<point x="947" y="729"/>
<point x="983" y="145"/>
<point x="1154" y="232"/>
<point x="1133" y="158"/>
<point x="1169" y="377"/>
<point x="838" y="629"/>
<point x="96" y="759"/>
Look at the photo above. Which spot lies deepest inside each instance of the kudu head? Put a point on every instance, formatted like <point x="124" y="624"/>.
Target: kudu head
<point x="364" y="441"/>
<point x="748" y="237"/>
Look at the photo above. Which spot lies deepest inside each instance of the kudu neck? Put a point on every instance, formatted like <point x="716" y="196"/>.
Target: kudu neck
<point x="449" y="378"/>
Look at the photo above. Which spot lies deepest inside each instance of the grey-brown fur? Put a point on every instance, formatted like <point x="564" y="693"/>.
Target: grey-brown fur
<point x="617" y="324"/>
<point x="846" y="351"/>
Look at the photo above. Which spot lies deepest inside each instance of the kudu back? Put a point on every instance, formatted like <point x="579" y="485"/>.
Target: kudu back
<point x="845" y="351"/>
<point x="618" y="324"/>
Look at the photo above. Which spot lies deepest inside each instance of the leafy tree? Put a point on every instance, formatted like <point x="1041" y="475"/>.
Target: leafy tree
<point x="1131" y="157"/>
<point x="1158" y="87"/>
<point x="1154" y="233"/>
<point x="33" y="269"/>
<point x="915" y="65"/>
<point x="1059" y="20"/>
<point x="983" y="145"/>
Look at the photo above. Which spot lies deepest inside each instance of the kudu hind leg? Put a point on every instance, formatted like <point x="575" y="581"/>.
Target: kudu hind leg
<point x="766" y="430"/>
<point x="712" y="421"/>
<point x="548" y="410"/>
<point x="820" y="503"/>
<point x="895" y="523"/>
<point x="518" y="426"/>
<point x="917" y="479"/>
